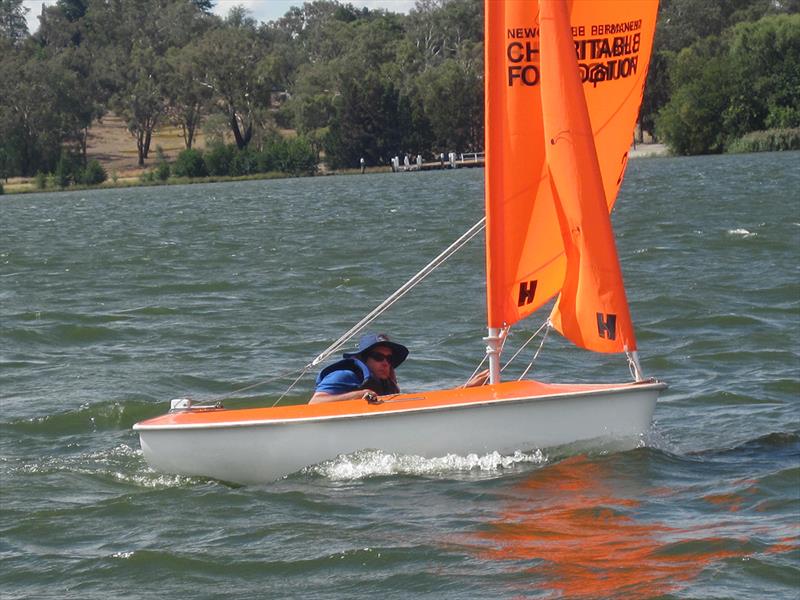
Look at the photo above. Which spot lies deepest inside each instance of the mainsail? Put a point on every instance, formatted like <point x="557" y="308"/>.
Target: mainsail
<point x="564" y="82"/>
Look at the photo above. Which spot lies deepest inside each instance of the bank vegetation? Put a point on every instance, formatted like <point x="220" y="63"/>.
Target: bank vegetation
<point x="330" y="83"/>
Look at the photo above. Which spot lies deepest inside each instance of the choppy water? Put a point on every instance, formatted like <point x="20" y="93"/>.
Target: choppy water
<point x="115" y="301"/>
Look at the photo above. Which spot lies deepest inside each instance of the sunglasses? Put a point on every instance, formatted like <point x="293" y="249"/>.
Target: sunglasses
<point x="380" y="357"/>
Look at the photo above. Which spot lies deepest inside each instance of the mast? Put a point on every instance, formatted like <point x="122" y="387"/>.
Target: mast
<point x="493" y="100"/>
<point x="493" y="347"/>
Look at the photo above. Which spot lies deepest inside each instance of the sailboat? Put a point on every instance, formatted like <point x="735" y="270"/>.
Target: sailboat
<point x="563" y="85"/>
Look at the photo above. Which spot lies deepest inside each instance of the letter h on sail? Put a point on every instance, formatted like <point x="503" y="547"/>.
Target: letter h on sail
<point x="526" y="292"/>
<point x="607" y="327"/>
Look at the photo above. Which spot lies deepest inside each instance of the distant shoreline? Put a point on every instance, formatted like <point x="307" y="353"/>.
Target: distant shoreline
<point x="648" y="150"/>
<point x="19" y="185"/>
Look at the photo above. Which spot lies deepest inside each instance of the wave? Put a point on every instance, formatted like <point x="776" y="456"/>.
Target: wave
<point x="120" y="464"/>
<point x="64" y="334"/>
<point x="772" y="444"/>
<point x="102" y="416"/>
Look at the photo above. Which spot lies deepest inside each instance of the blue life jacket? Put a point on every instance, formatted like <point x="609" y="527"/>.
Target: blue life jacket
<point x="350" y="374"/>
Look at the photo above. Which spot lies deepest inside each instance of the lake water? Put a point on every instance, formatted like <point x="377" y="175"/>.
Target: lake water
<point x="115" y="301"/>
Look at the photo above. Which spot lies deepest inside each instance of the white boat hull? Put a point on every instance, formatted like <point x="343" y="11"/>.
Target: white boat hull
<point x="258" y="452"/>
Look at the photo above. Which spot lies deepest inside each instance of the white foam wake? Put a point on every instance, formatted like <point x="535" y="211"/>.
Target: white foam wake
<point x="740" y="232"/>
<point x="372" y="463"/>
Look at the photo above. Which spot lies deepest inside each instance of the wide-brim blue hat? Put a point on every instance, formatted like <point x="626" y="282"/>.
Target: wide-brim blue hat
<point x="370" y="340"/>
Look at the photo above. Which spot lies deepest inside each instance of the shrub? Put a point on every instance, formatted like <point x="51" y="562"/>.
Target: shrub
<point x="2" y="191"/>
<point x="300" y="157"/>
<point x="295" y="156"/>
<point x="243" y="162"/>
<point x="94" y="174"/>
<point x="190" y="163"/>
<point x="162" y="170"/>
<point x="271" y="157"/>
<point x="218" y="159"/>
<point x="770" y="140"/>
<point x="63" y="173"/>
<point x="40" y="180"/>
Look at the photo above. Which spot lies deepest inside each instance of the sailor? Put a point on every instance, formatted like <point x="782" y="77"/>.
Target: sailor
<point x="367" y="373"/>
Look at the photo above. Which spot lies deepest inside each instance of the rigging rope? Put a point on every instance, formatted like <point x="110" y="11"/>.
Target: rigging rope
<point x="521" y="348"/>
<point x="221" y="397"/>
<point x="358" y="327"/>
<point x="547" y="327"/>
<point x="401" y="291"/>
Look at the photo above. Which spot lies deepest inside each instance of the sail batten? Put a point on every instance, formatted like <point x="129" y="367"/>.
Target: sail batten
<point x="564" y="82"/>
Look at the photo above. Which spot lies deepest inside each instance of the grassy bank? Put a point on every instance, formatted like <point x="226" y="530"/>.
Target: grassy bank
<point x="28" y="186"/>
<point x="771" y="140"/>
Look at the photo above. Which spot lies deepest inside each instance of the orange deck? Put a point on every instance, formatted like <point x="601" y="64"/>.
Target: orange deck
<point x="512" y="390"/>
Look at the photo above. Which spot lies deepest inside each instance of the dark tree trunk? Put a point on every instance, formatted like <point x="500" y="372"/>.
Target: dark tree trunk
<point x="237" y="135"/>
<point x="140" y="146"/>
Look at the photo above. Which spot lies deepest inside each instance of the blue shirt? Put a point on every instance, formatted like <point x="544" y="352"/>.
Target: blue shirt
<point x="346" y="375"/>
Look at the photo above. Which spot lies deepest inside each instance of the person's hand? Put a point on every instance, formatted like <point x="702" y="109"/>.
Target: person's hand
<point x="371" y="397"/>
<point x="478" y="379"/>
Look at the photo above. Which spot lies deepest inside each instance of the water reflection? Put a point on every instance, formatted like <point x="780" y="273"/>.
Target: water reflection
<point x="578" y="530"/>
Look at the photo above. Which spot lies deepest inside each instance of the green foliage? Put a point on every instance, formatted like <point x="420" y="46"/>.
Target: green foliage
<point x="453" y="98"/>
<point x="293" y="156"/>
<point x="368" y="124"/>
<point x="2" y="191"/>
<point x="723" y="88"/>
<point x="766" y="59"/>
<point x="771" y="140"/>
<point x="353" y="81"/>
<point x="683" y="23"/>
<point x="218" y="159"/>
<point x="162" y="171"/>
<point x="190" y="163"/>
<point x="235" y="67"/>
<point x="243" y="162"/>
<point x="64" y="173"/>
<point x="692" y="121"/>
<point x="13" y="25"/>
<point x="40" y="181"/>
<point x="94" y="174"/>
<point x="299" y="157"/>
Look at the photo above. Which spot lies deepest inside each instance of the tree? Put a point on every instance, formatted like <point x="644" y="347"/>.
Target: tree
<point x="723" y="88"/>
<point x="437" y="30"/>
<point x="204" y="5"/>
<point x="682" y="23"/>
<point x="692" y="121"/>
<point x="141" y="99"/>
<point x="189" y="97"/>
<point x="368" y="123"/>
<point x="765" y="58"/>
<point x="38" y="112"/>
<point x="13" y="26"/>
<point x="656" y="90"/>
<point x="233" y="65"/>
<point x="453" y="97"/>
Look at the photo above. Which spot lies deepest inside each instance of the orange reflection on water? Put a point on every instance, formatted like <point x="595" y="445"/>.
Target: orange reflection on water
<point x="572" y="523"/>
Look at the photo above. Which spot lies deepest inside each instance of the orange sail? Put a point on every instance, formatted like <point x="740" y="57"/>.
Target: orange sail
<point x="573" y="74"/>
